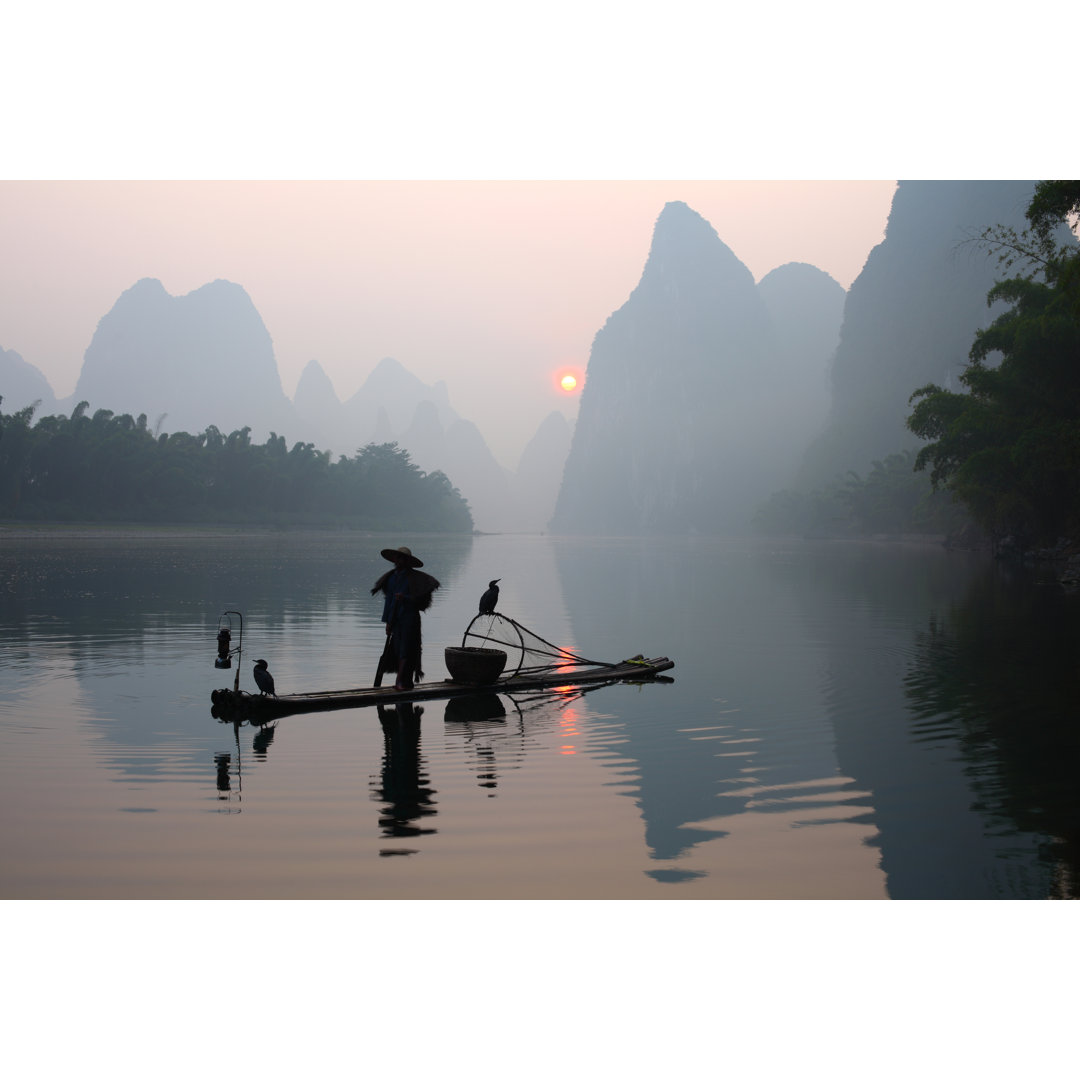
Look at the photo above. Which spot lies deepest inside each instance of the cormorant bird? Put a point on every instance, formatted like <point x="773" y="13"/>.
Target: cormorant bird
<point x="263" y="679"/>
<point x="490" y="598"/>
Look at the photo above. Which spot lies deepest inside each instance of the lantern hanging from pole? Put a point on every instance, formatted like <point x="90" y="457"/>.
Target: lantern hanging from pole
<point x="224" y="639"/>
<point x="225" y="648"/>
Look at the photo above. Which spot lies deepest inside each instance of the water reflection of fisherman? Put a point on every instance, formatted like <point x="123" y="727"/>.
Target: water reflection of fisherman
<point x="407" y="592"/>
<point x="403" y="786"/>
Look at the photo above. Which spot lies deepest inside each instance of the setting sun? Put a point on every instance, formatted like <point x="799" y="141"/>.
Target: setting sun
<point x="568" y="379"/>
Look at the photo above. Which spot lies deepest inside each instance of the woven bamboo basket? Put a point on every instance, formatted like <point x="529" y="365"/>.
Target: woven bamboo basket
<point x="476" y="667"/>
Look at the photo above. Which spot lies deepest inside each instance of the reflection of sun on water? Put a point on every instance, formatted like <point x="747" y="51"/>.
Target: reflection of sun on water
<point x="568" y="727"/>
<point x="568" y="717"/>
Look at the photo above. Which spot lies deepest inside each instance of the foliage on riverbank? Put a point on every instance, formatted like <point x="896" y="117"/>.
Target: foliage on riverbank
<point x="113" y="468"/>
<point x="1009" y="447"/>
<point x="892" y="499"/>
<point x="1001" y="464"/>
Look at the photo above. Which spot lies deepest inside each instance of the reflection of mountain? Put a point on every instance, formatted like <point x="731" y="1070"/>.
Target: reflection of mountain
<point x="965" y="792"/>
<point x="723" y="722"/>
<point x="939" y="837"/>
<point x="1017" y="736"/>
<point x="806" y="680"/>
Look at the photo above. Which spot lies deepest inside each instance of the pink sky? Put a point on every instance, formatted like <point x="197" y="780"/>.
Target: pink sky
<point x="488" y="285"/>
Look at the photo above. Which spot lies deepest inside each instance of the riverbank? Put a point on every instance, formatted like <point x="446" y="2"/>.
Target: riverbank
<point x="184" y="530"/>
<point x="107" y="530"/>
<point x="1063" y="559"/>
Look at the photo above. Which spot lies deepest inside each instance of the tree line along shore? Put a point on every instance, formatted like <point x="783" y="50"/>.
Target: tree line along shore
<point x="108" y="468"/>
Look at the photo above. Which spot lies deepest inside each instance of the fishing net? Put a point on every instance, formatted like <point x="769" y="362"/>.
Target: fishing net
<point x="527" y="653"/>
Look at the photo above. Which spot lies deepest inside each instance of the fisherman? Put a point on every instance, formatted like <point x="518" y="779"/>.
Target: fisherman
<point x="407" y="592"/>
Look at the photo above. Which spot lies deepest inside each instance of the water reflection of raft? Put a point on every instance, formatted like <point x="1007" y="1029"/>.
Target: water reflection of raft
<point x="240" y="705"/>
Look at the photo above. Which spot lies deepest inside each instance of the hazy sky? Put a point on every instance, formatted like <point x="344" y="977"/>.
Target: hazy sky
<point x="492" y="286"/>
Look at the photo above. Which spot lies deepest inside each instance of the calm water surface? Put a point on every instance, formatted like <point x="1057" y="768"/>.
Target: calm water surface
<point x="845" y="721"/>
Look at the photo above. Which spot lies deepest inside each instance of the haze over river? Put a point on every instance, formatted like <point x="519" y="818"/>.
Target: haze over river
<point x="844" y="721"/>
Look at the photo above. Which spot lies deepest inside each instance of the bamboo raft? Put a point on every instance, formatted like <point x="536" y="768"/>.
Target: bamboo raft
<point x="239" y="705"/>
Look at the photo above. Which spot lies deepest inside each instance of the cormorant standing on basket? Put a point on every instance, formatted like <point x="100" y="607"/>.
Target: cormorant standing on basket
<point x="490" y="598"/>
<point x="407" y="592"/>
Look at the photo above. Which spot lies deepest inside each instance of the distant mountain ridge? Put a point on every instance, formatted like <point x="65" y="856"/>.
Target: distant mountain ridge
<point x="705" y="393"/>
<point x="806" y="308"/>
<point x="191" y="361"/>
<point x="206" y="359"/>
<point x="696" y="402"/>
<point x="22" y="384"/>
<point x="910" y="316"/>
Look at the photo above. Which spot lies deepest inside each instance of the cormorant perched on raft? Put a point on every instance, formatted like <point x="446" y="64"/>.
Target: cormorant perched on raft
<point x="490" y="598"/>
<point x="263" y="679"/>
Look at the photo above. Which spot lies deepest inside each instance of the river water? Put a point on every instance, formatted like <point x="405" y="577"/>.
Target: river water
<point x="843" y="721"/>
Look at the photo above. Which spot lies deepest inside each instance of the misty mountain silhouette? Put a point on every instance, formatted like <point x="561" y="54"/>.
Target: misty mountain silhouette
<point x="704" y="389"/>
<point x="380" y="411"/>
<point x="911" y="315"/>
<point x="697" y="401"/>
<point x="540" y="470"/>
<point x="393" y="405"/>
<point x="806" y="307"/>
<point x="315" y="397"/>
<point x="459" y="450"/>
<point x="22" y="384"/>
<point x="207" y="359"/>
<point x="195" y="360"/>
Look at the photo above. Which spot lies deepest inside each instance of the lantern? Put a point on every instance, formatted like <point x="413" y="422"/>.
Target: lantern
<point x="224" y="638"/>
